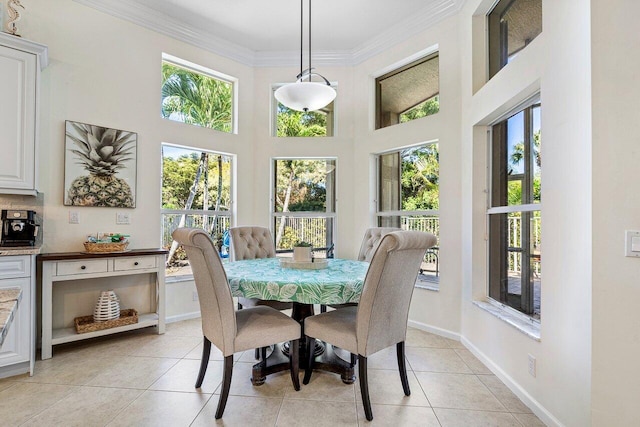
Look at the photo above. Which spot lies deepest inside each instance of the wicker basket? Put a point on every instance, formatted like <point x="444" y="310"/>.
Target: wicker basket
<point x="105" y="247"/>
<point x="86" y="324"/>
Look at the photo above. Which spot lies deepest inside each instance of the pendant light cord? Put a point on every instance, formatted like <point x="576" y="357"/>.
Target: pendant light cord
<point x="309" y="40"/>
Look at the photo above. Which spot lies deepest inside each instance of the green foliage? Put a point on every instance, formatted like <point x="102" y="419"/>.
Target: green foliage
<point x="420" y="178"/>
<point x="178" y="176"/>
<point x="427" y="108"/>
<point x="195" y="98"/>
<point x="298" y="123"/>
<point x="305" y="181"/>
<point x="302" y="244"/>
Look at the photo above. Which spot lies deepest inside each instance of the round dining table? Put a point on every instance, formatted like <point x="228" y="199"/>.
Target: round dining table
<point x="331" y="281"/>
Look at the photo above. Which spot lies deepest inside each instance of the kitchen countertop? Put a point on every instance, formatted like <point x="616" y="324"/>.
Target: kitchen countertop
<point x="19" y="250"/>
<point x="9" y="299"/>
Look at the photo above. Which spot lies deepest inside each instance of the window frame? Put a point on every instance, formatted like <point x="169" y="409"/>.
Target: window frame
<point x="230" y="213"/>
<point x="432" y="283"/>
<point x="217" y="75"/>
<point x="497" y="238"/>
<point x="332" y="216"/>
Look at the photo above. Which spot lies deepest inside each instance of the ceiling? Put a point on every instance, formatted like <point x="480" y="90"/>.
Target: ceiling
<point x="267" y="32"/>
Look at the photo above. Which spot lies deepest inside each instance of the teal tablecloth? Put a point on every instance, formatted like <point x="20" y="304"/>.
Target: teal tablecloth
<point x="339" y="283"/>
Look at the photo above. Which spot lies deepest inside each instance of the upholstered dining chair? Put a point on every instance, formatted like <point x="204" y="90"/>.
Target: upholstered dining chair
<point x="380" y="319"/>
<point x="230" y="330"/>
<point x="370" y="242"/>
<point x="253" y="242"/>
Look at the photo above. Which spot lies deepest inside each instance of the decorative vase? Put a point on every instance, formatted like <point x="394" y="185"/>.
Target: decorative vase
<point x="302" y="253"/>
<point x="107" y="308"/>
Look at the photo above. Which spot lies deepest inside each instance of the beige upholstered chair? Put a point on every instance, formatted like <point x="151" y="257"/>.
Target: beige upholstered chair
<point x="380" y="319"/>
<point x="252" y="242"/>
<point x="370" y="242"/>
<point x="229" y="330"/>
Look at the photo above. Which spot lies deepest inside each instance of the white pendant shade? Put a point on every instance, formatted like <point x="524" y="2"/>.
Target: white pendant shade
<point x="305" y="96"/>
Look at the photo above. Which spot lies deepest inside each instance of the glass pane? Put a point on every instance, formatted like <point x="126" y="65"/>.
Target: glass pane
<point x="196" y="99"/>
<point x="535" y="152"/>
<point x="426" y="108"/>
<point x="420" y="178"/>
<point x="297" y="123"/>
<point x="195" y="180"/>
<point x="317" y="230"/>
<point x="522" y="22"/>
<point x="515" y="261"/>
<point x="304" y="185"/>
<point x="389" y="181"/>
<point x="216" y="226"/>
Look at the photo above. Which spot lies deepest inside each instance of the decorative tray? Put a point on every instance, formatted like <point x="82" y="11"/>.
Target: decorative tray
<point x="316" y="264"/>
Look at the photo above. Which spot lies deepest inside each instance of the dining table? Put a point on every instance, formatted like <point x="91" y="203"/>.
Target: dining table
<point x="331" y="281"/>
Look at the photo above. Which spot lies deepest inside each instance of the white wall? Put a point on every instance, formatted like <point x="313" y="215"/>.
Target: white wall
<point x="615" y="208"/>
<point x="557" y="64"/>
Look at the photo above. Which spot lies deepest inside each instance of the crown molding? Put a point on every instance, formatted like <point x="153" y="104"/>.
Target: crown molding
<point x="163" y="24"/>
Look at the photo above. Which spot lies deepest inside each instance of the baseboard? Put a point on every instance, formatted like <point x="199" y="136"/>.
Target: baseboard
<point x="183" y="316"/>
<point x="435" y="330"/>
<point x="13" y="370"/>
<point x="522" y="394"/>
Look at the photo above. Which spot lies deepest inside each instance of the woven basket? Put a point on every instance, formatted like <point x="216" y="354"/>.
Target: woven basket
<point x="105" y="247"/>
<point x="86" y="324"/>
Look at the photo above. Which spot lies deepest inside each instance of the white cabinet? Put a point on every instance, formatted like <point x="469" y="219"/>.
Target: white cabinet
<point x="17" y="354"/>
<point x="20" y="65"/>
<point x="73" y="279"/>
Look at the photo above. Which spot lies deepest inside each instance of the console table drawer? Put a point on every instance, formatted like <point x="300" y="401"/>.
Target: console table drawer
<point x="134" y="263"/>
<point x="82" y="267"/>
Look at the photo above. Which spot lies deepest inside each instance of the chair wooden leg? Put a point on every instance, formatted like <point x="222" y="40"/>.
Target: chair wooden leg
<point x="364" y="387"/>
<point x="206" y="351"/>
<point x="402" y="368"/>
<point x="226" y="385"/>
<point x="294" y="362"/>
<point x="323" y="308"/>
<point x="311" y="343"/>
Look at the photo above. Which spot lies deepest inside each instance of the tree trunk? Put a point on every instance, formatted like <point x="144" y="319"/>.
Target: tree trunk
<point x="285" y="207"/>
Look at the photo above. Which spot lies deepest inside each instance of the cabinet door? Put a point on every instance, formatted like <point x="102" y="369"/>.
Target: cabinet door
<point x="15" y="348"/>
<point x="17" y="121"/>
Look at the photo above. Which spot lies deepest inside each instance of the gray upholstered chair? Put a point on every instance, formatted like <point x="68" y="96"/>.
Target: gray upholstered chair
<point x="380" y="319"/>
<point x="253" y="242"/>
<point x="370" y="242"/>
<point x="229" y="330"/>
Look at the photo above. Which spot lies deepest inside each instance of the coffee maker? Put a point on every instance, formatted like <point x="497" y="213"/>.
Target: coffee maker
<point x="18" y="228"/>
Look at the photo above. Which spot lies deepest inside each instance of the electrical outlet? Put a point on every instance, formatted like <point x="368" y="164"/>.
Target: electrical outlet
<point x="532" y="366"/>
<point x="195" y="295"/>
<point x="74" y="217"/>
<point x="123" y="218"/>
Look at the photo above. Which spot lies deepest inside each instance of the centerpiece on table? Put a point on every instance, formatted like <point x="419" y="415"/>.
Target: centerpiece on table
<point x="107" y="242"/>
<point x="302" y="251"/>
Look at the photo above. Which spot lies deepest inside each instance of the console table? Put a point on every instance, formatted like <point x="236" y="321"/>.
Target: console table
<point x="81" y="269"/>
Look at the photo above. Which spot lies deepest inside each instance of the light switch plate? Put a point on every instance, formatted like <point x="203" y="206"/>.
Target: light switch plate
<point x="74" y="217"/>
<point x="123" y="218"/>
<point x="632" y="243"/>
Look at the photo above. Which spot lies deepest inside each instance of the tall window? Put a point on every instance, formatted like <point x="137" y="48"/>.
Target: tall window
<point x="408" y="184"/>
<point x="304" y="204"/>
<point x="195" y="95"/>
<point x="408" y="93"/>
<point x="196" y="192"/>
<point x="513" y="24"/>
<point x="288" y="122"/>
<point x="515" y="218"/>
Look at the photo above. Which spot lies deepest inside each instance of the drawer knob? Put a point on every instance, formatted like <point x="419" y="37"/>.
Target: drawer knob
<point x="135" y="263"/>
<point x="83" y="267"/>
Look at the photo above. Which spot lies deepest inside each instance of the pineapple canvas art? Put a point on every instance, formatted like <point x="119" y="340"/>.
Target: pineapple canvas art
<point x="100" y="166"/>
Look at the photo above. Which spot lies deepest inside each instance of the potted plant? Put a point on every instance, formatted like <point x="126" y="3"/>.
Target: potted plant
<point x="302" y="251"/>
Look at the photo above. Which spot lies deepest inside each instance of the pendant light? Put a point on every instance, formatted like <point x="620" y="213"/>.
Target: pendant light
<point x="304" y="94"/>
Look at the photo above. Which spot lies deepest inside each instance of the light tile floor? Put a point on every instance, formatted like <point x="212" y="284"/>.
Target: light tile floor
<point x="140" y="378"/>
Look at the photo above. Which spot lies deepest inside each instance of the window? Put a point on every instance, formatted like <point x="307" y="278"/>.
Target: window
<point x="196" y="192"/>
<point x="408" y="185"/>
<point x="304" y="204"/>
<point x="513" y="24"/>
<point x="515" y="212"/>
<point x="288" y="122"/>
<point x="408" y="93"/>
<point x="196" y="95"/>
